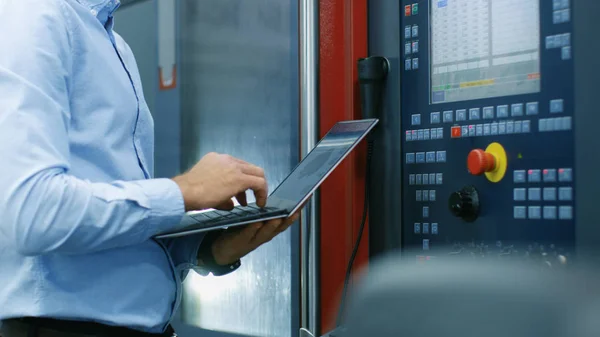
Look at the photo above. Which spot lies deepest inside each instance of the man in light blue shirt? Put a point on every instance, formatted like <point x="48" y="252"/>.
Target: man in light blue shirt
<point x="78" y="205"/>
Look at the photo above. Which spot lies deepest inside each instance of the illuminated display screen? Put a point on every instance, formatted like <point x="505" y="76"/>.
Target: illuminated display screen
<point x="484" y="48"/>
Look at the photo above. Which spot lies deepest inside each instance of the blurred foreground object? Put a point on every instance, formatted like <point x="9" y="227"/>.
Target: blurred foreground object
<point x="460" y="298"/>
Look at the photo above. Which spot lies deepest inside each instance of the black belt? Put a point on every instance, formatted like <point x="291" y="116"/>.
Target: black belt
<point x="40" y="327"/>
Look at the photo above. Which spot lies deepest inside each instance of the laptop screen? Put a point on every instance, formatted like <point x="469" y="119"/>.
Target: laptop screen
<point x="319" y="163"/>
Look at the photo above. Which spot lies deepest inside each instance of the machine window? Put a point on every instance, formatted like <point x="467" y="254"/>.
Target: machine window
<point x="484" y="48"/>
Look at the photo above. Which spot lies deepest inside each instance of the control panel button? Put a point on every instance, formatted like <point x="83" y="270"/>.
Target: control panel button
<point x="534" y="212"/>
<point x="549" y="193"/>
<point x="550" y="42"/>
<point x="425" y="179"/>
<point x="411" y="179"/>
<point x="534" y="176"/>
<point x="407" y="48"/>
<point x="455" y="131"/>
<point x="415" y="9"/>
<point x="425" y="228"/>
<point x="526" y="126"/>
<point x="426" y="134"/>
<point x="419" y="179"/>
<point x="474" y="114"/>
<point x="565" y="53"/>
<point x="410" y="158"/>
<point x="565" y="15"/>
<point x="407" y="32"/>
<point x="461" y="115"/>
<point x="434" y="228"/>
<point x="565" y="193"/>
<point x="417" y="228"/>
<point x="556" y="106"/>
<point x="439" y="178"/>
<point x="420" y="134"/>
<point x="535" y="194"/>
<point x="419" y="195"/>
<point x="431" y="157"/>
<point x="441" y="156"/>
<point x="532" y="108"/>
<point x="420" y="157"/>
<point x="519" y="212"/>
<point x="543" y="125"/>
<point x="407" y="64"/>
<point x="416" y="119"/>
<point x="501" y="128"/>
<point x="518" y="126"/>
<point x="510" y="127"/>
<point x="408" y="136"/>
<point x="494" y="129"/>
<point x="435" y="117"/>
<point x="549" y="175"/>
<point x="565" y="174"/>
<point x="415" y="31"/>
<point x="488" y="112"/>
<point x="471" y="130"/>
<point x="516" y="110"/>
<point x="557" y="17"/>
<point x="425" y="196"/>
<point x="407" y="10"/>
<point x="550" y="212"/>
<point x="414" y="135"/>
<point x="566" y="123"/>
<point x="426" y="211"/>
<point x="519" y="176"/>
<point x="425" y="244"/>
<point x="448" y="117"/>
<point x="432" y="195"/>
<point x="415" y="64"/>
<point x="565" y="212"/>
<point x="487" y="129"/>
<point x="502" y="111"/>
<point x="434" y="134"/>
<point x="479" y="130"/>
<point x="440" y="133"/>
<point x="415" y="47"/>
<point x="519" y="194"/>
<point x="464" y="131"/>
<point x="479" y="162"/>
<point x="432" y="178"/>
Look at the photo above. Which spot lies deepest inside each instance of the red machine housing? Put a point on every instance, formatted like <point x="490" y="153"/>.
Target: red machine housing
<point x="343" y="40"/>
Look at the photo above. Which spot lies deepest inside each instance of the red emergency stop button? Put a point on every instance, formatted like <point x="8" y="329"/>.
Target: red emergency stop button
<point x="480" y="162"/>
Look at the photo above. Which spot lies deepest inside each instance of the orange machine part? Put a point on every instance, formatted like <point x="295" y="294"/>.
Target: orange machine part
<point x="343" y="40"/>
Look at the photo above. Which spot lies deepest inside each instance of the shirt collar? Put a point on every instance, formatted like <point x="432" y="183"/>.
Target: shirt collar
<point x="101" y="9"/>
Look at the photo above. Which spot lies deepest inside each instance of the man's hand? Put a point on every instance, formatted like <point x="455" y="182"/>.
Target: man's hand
<point x="216" y="178"/>
<point x="236" y="243"/>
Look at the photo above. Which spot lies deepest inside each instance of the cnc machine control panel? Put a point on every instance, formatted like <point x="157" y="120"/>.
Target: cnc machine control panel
<point x="488" y="128"/>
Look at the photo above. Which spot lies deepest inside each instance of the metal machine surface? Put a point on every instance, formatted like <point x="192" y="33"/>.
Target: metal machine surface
<point x="489" y="111"/>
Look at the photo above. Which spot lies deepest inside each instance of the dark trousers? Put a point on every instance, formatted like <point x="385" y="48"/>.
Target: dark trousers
<point x="43" y="327"/>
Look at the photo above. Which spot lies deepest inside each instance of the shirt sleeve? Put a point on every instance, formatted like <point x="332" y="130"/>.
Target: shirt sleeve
<point x="43" y="208"/>
<point x="184" y="252"/>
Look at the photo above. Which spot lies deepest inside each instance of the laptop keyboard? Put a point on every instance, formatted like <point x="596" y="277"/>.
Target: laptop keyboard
<point x="239" y="213"/>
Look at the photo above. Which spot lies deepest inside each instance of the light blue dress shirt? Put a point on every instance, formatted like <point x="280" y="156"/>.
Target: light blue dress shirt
<point x="78" y="207"/>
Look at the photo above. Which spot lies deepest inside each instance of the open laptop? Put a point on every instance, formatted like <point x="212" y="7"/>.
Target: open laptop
<point x="295" y="189"/>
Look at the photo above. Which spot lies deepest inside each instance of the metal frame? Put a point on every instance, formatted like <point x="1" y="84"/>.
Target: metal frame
<point x="309" y="68"/>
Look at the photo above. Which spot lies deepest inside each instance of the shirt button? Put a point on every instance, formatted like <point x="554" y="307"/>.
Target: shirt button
<point x="94" y="12"/>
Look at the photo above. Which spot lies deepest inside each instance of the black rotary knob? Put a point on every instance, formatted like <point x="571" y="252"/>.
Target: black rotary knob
<point x="464" y="203"/>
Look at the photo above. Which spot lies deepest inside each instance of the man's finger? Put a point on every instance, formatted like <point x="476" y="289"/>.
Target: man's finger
<point x="250" y="169"/>
<point x="226" y="206"/>
<point x="267" y="232"/>
<point x="241" y="198"/>
<point x="259" y="187"/>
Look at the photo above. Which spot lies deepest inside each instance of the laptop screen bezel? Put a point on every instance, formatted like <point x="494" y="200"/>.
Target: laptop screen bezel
<point x="292" y="206"/>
